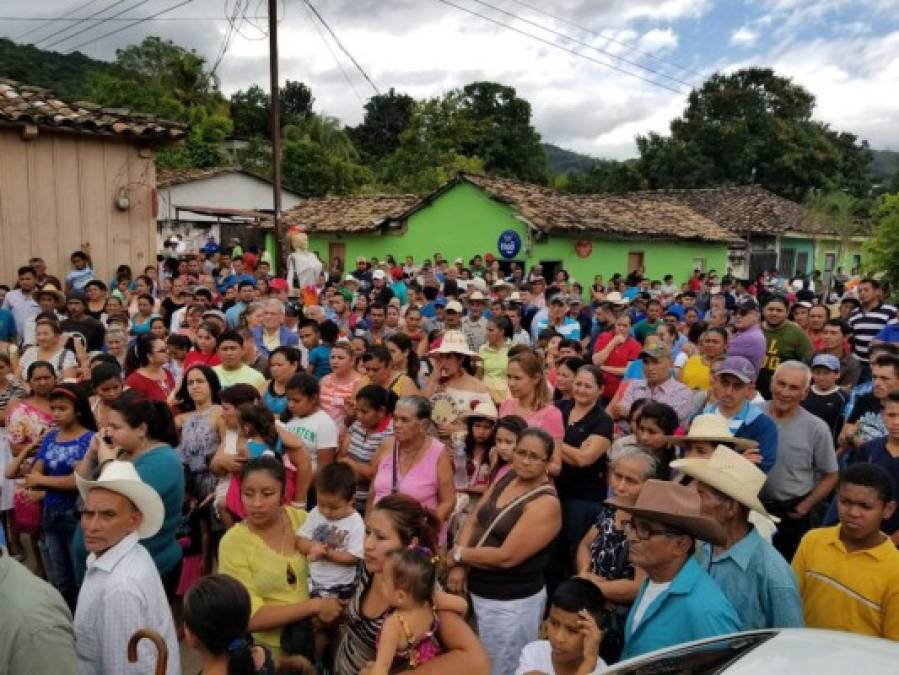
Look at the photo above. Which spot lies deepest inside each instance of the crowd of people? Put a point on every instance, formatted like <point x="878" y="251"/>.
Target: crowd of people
<point x="440" y="466"/>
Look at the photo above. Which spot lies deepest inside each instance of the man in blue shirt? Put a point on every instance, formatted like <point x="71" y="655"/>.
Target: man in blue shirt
<point x="246" y="293"/>
<point x="752" y="574"/>
<point x="678" y="601"/>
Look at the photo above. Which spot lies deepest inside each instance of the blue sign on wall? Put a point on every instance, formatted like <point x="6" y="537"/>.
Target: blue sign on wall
<point x="509" y="243"/>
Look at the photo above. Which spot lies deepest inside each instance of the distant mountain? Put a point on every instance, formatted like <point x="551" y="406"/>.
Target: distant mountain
<point x="561" y="160"/>
<point x="884" y="164"/>
<point x="65" y="74"/>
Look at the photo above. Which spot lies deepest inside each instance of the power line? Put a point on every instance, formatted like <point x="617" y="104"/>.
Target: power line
<point x="581" y="43"/>
<point x="561" y="47"/>
<point x="119" y="30"/>
<point x="53" y="20"/>
<point x="80" y="21"/>
<point x="605" y="36"/>
<point x="122" y="19"/>
<point x="340" y="45"/>
<point x="98" y="22"/>
<point x="327" y="45"/>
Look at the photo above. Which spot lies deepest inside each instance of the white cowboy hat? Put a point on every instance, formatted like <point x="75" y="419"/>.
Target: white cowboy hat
<point x="50" y="289"/>
<point x="615" y="298"/>
<point x="481" y="408"/>
<point x="713" y="428"/>
<point x="122" y="478"/>
<point x="454" y="342"/>
<point x="731" y="474"/>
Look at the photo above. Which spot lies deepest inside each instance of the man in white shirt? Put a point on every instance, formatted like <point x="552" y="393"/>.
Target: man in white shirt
<point x="21" y="301"/>
<point x="122" y="591"/>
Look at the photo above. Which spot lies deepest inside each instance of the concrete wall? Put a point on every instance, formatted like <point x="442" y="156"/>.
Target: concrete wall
<point x="465" y="221"/>
<point x="234" y="190"/>
<point x="58" y="192"/>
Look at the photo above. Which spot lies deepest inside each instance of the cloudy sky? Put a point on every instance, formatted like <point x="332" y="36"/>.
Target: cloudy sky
<point x="601" y="71"/>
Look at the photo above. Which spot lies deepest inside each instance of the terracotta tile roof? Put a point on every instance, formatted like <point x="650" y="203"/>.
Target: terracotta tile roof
<point x="166" y="178"/>
<point x="744" y="210"/>
<point x="631" y="215"/>
<point x="365" y="213"/>
<point x="22" y="104"/>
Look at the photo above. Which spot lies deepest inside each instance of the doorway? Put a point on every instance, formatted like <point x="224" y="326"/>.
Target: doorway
<point x="337" y="250"/>
<point x="635" y="262"/>
<point x="550" y="267"/>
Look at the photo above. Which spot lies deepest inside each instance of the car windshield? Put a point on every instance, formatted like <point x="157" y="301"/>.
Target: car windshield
<point x="707" y="658"/>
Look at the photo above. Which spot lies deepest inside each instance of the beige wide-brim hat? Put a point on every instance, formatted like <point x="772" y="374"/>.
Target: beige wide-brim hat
<point x="615" y="298"/>
<point x="712" y="428"/>
<point x="731" y="474"/>
<point x="122" y="478"/>
<point x="50" y="289"/>
<point x="454" y="342"/>
<point x="674" y="505"/>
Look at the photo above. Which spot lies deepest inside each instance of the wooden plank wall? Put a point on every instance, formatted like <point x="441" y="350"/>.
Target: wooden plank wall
<point x="58" y="192"/>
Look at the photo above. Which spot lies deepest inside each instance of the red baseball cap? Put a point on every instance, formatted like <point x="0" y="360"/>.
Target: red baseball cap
<point x="278" y="284"/>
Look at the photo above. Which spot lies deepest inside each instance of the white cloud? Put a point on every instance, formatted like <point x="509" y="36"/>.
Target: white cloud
<point x="744" y="37"/>
<point x="657" y="41"/>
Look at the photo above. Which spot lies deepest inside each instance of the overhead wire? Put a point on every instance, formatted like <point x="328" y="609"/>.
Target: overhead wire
<point x="605" y="36"/>
<point x="337" y="41"/>
<point x="99" y="22"/>
<point x="563" y="48"/>
<point x="64" y="17"/>
<point x="581" y="43"/>
<point x="135" y="23"/>
<point x="321" y="35"/>
<point x="78" y="22"/>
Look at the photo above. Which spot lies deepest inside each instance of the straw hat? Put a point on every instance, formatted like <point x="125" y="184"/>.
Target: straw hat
<point x="731" y="474"/>
<point x="674" y="505"/>
<point x="712" y="428"/>
<point x="122" y="478"/>
<point x="50" y="289"/>
<point x="615" y="298"/>
<point x="481" y="408"/>
<point x="454" y="342"/>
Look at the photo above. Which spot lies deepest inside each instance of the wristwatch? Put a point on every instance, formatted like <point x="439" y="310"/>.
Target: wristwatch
<point x="457" y="555"/>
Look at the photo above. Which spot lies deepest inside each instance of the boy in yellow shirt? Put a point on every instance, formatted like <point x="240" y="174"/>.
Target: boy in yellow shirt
<point x="848" y="574"/>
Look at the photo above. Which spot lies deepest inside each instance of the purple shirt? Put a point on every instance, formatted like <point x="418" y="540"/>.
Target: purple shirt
<point x="750" y="344"/>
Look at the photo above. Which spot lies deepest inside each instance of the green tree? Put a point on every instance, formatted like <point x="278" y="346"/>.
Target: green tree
<point x="159" y="77"/>
<point x="883" y="247"/>
<point x="754" y="126"/>
<point x="605" y="176"/>
<point x="250" y="112"/>
<point x="251" y="109"/>
<point x="498" y="130"/>
<point x="386" y="117"/>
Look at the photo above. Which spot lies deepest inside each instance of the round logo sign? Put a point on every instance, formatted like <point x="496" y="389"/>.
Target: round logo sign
<point x="509" y="243"/>
<point x="583" y="248"/>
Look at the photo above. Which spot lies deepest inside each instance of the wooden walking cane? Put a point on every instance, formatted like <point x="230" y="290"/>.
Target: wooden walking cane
<point x="162" y="657"/>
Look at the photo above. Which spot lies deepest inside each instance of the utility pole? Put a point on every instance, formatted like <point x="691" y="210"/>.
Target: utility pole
<point x="275" y="124"/>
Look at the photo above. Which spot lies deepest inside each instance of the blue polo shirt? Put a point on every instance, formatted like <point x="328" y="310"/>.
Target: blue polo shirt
<point x="7" y="326"/>
<point x="691" y="608"/>
<point x="889" y="333"/>
<point x="757" y="580"/>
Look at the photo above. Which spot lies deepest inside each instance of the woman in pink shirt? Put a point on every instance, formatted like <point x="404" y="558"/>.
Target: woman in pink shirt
<point x="532" y="400"/>
<point x="413" y="463"/>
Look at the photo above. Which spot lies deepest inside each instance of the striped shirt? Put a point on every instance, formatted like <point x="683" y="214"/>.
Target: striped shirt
<point x="362" y="445"/>
<point x="866" y="324"/>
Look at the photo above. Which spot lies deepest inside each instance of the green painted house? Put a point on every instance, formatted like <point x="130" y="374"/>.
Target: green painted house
<point x="515" y="221"/>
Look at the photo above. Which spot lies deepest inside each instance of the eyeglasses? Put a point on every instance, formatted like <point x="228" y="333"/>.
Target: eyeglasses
<point x="643" y="532"/>
<point x="529" y="456"/>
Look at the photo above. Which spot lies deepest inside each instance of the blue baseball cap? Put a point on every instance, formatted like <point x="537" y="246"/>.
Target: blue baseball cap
<point x="440" y="302"/>
<point x="828" y="361"/>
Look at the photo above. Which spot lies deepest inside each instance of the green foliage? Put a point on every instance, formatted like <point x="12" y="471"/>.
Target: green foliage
<point x="562" y="161"/>
<point x="386" y="117"/>
<point x="65" y="74"/>
<point x="754" y="126"/>
<point x="309" y="169"/>
<point x="605" y="176"/>
<point x="251" y="109"/>
<point x="883" y="247"/>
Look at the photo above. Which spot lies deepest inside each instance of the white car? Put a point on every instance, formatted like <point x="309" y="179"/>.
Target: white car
<point x="787" y="651"/>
